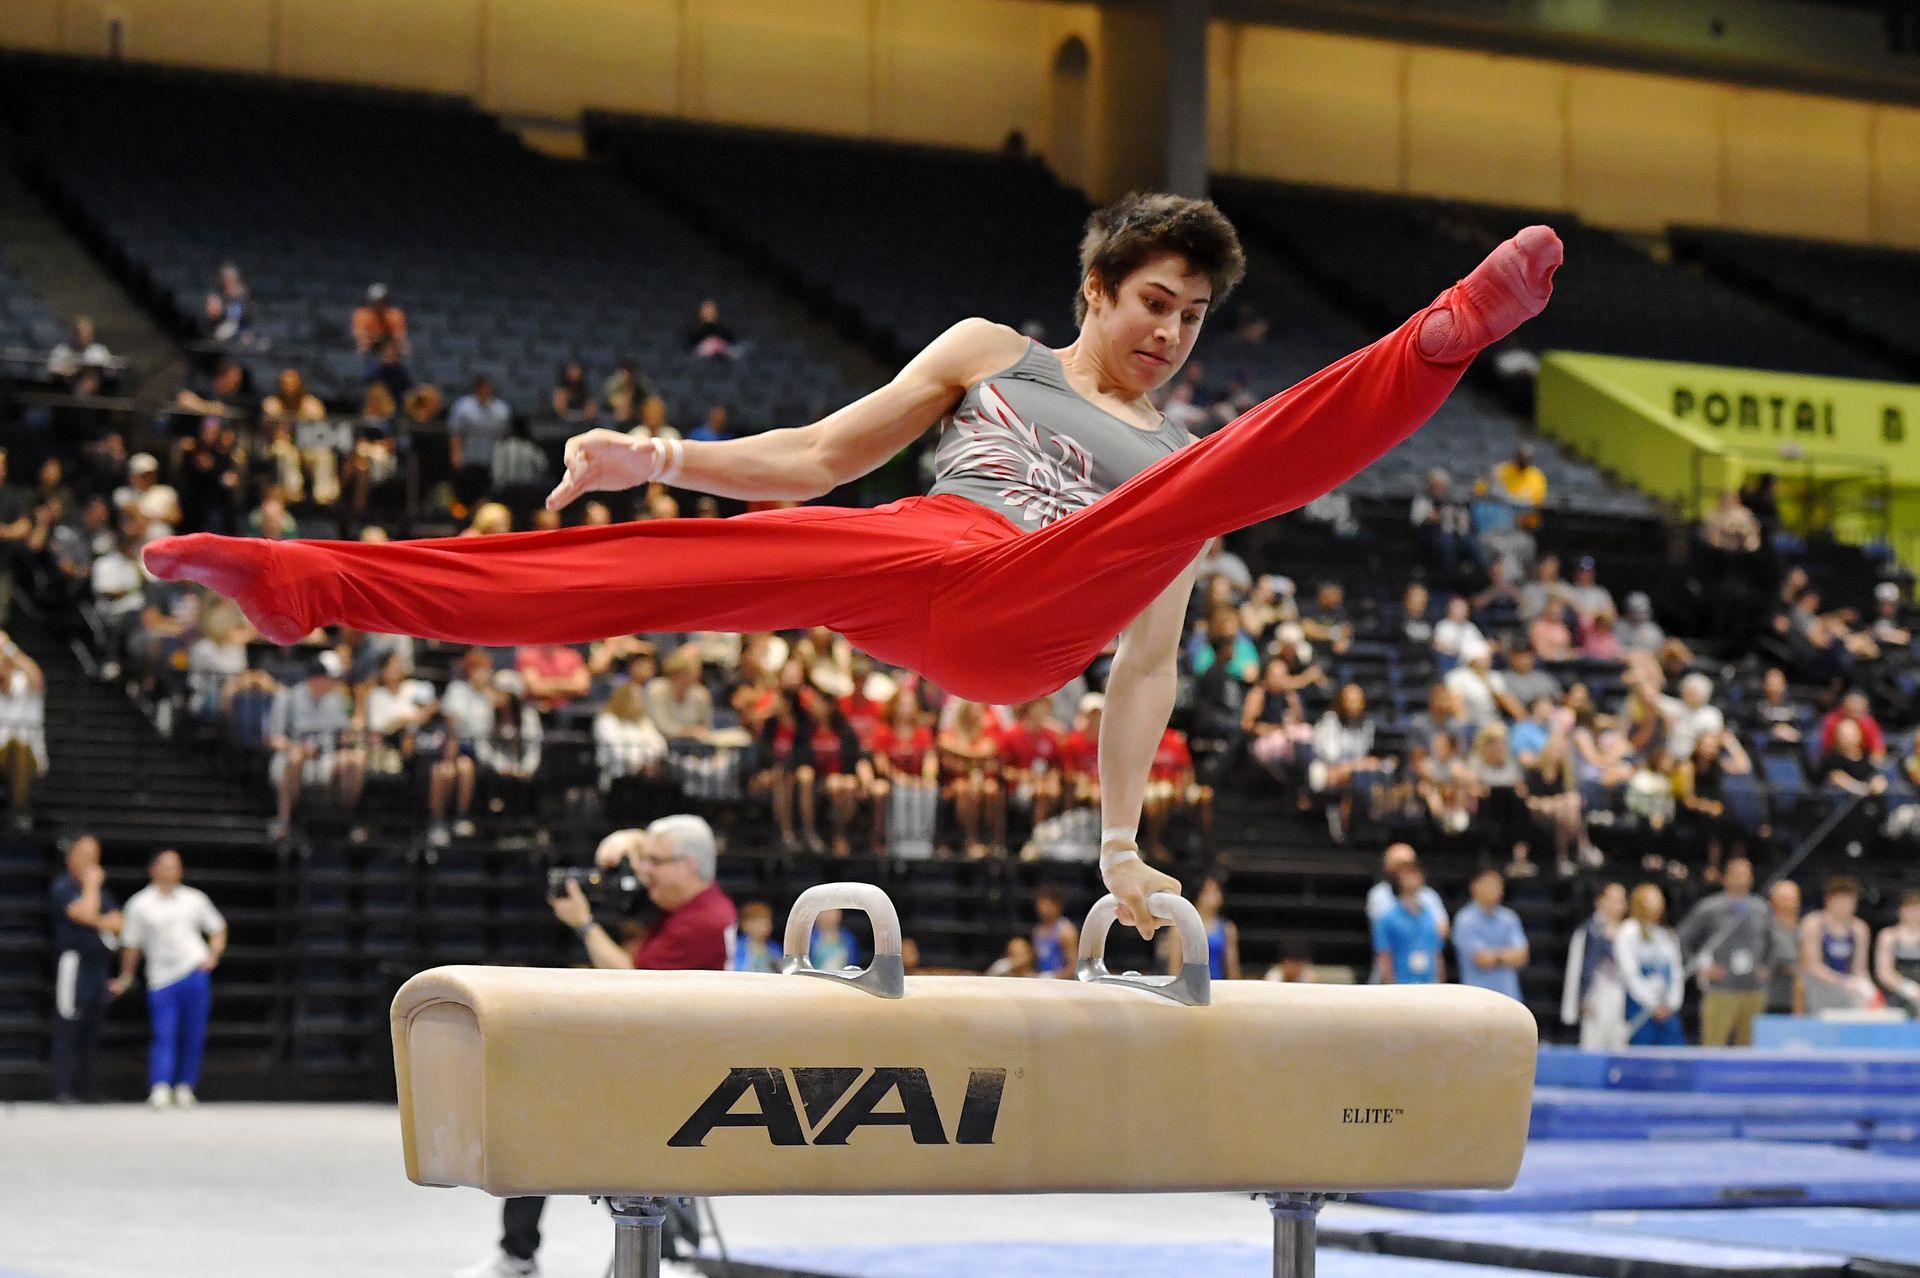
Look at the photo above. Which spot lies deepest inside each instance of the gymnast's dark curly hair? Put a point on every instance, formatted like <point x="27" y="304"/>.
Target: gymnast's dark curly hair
<point x="1129" y="233"/>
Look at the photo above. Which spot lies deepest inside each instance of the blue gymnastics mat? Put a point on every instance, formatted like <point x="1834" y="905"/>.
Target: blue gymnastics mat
<point x="1889" y="1238"/>
<point x="1574" y="1175"/>
<point x="1069" y="1260"/>
<point x="1573" y="1246"/>
<point x="1572" y="1113"/>
<point x="1737" y="1070"/>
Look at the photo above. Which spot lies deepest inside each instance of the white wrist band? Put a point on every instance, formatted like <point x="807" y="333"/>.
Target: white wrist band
<point x="676" y="456"/>
<point x="1124" y="833"/>
<point x="1112" y="857"/>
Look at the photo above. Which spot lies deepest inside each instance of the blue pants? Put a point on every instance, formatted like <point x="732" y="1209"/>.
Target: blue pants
<point x="1654" y="1033"/>
<point x="179" y="1015"/>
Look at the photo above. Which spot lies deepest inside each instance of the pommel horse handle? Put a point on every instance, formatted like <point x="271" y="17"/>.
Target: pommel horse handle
<point x="886" y="975"/>
<point x="1193" y="986"/>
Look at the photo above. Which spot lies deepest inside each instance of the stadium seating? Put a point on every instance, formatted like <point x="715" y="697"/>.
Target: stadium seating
<point x="505" y="261"/>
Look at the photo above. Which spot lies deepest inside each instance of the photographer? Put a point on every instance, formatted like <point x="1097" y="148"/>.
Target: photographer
<point x="673" y="859"/>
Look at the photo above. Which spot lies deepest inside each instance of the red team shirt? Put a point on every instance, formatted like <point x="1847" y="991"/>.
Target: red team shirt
<point x="864" y="715"/>
<point x="1080" y="754"/>
<point x="905" y="756"/>
<point x="1021" y="747"/>
<point x="1171" y="757"/>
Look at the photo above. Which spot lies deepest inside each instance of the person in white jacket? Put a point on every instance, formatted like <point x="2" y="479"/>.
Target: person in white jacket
<point x="1593" y="997"/>
<point x="1648" y="956"/>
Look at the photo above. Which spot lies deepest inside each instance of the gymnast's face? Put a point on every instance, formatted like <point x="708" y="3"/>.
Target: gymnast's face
<point x="1148" y="327"/>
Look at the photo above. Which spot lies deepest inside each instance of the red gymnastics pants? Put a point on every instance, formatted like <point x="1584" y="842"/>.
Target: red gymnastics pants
<point x="936" y="584"/>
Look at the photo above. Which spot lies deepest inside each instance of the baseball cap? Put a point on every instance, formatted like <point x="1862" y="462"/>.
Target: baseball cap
<point x="1091" y="702"/>
<point x="1638" y="603"/>
<point x="1887" y="592"/>
<point x="376" y="292"/>
<point x="326" y="665"/>
<point x="142" y="464"/>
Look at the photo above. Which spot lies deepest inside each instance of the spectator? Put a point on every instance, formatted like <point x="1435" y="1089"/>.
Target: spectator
<point x="1172" y="788"/>
<point x="555" y="674"/>
<point x="210" y="466"/>
<point x="1730" y="936"/>
<point x="1407" y="942"/>
<point x="1488" y="940"/>
<point x="23" y="719"/>
<point x="1648" y="957"/>
<point x="1080" y="754"/>
<point x="1443" y="717"/>
<point x="391" y="710"/>
<point x="906" y="767"/>
<point x="518" y="462"/>
<point x="1456" y="633"/>
<point x="1833" y="952"/>
<point x="1030" y="764"/>
<point x="271" y="520"/>
<point x="1846" y="767"/>
<point x="306" y="730"/>
<point x="1481" y="690"/>
<point x="1699" y="784"/>
<point x="478" y="421"/>
<point x="1896" y="956"/>
<point x="1380" y="897"/>
<point x="1056" y="941"/>
<point x="1854" y="708"/>
<point x="1587" y="597"/>
<point x="1443" y="526"/>
<point x="1546" y="587"/>
<point x="391" y="374"/>
<point x="296" y="459"/>
<point x="1691" y="717"/>
<point x="754" y="949"/>
<point x="572" y="399"/>
<point x="1217" y="561"/>
<point x="626" y="742"/>
<point x="1783" y="990"/>
<point x="1731" y="528"/>
<point x="224" y="390"/>
<point x="1443" y="781"/>
<point x="1593" y="997"/>
<point x="1501" y="788"/>
<point x="182" y="937"/>
<point x="1327" y="622"/>
<point x="1018" y="960"/>
<point x="674" y="859"/>
<point x="1771" y="718"/>
<point x="217" y="663"/>
<point x="1223" y="938"/>
<point x="1549" y="635"/>
<point x="1500" y="592"/>
<point x="1416" y="617"/>
<point x="380" y="332"/>
<point x="1553" y="796"/>
<point x="623" y="391"/>
<point x="1639" y="632"/>
<point x="1519" y="481"/>
<point x="653" y="420"/>
<point x="81" y="365"/>
<point x="715" y="428"/>
<point x="1344" y="766"/>
<point x="828" y="752"/>
<point x="969" y="771"/>
<point x="708" y="337"/>
<point x="832" y="949"/>
<point x="1526" y="683"/>
<point x="228" y="309"/>
<point x="1223" y="628"/>
<point x="1601" y="642"/>
<point x="86" y="922"/>
<point x="677" y="702"/>
<point x="16" y="527"/>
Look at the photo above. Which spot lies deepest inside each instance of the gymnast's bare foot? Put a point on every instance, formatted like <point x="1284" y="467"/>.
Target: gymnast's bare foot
<point x="235" y="567"/>
<point x="1502" y="293"/>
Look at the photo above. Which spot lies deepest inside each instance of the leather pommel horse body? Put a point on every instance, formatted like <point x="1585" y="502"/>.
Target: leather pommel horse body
<point x="638" y="1084"/>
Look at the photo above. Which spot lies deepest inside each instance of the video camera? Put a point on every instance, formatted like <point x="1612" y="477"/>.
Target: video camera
<point x="616" y="886"/>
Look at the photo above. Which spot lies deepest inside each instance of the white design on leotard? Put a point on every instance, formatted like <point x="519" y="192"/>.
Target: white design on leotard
<point x="1000" y="446"/>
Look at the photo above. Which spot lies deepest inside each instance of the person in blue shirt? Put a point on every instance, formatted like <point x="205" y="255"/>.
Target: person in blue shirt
<point x="86" y="919"/>
<point x="754" y="949"/>
<point x="1488" y="939"/>
<point x="1406" y="940"/>
<point x="832" y="950"/>
<point x="1056" y="941"/>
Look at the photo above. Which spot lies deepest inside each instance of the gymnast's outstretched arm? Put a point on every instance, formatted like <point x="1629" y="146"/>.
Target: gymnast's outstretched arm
<point x="1140" y="694"/>
<point x="802" y="462"/>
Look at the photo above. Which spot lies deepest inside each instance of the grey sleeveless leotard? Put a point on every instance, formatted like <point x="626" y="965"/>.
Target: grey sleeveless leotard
<point x="1027" y="445"/>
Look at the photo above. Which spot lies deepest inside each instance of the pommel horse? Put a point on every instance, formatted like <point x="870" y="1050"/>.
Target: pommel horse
<point x="637" y="1086"/>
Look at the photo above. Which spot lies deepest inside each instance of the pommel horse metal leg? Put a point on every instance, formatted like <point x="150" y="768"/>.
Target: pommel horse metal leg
<point x="636" y="1235"/>
<point x="1295" y="1224"/>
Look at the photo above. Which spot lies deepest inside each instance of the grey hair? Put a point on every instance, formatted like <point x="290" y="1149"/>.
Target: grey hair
<point x="1697" y="681"/>
<point x="691" y="838"/>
